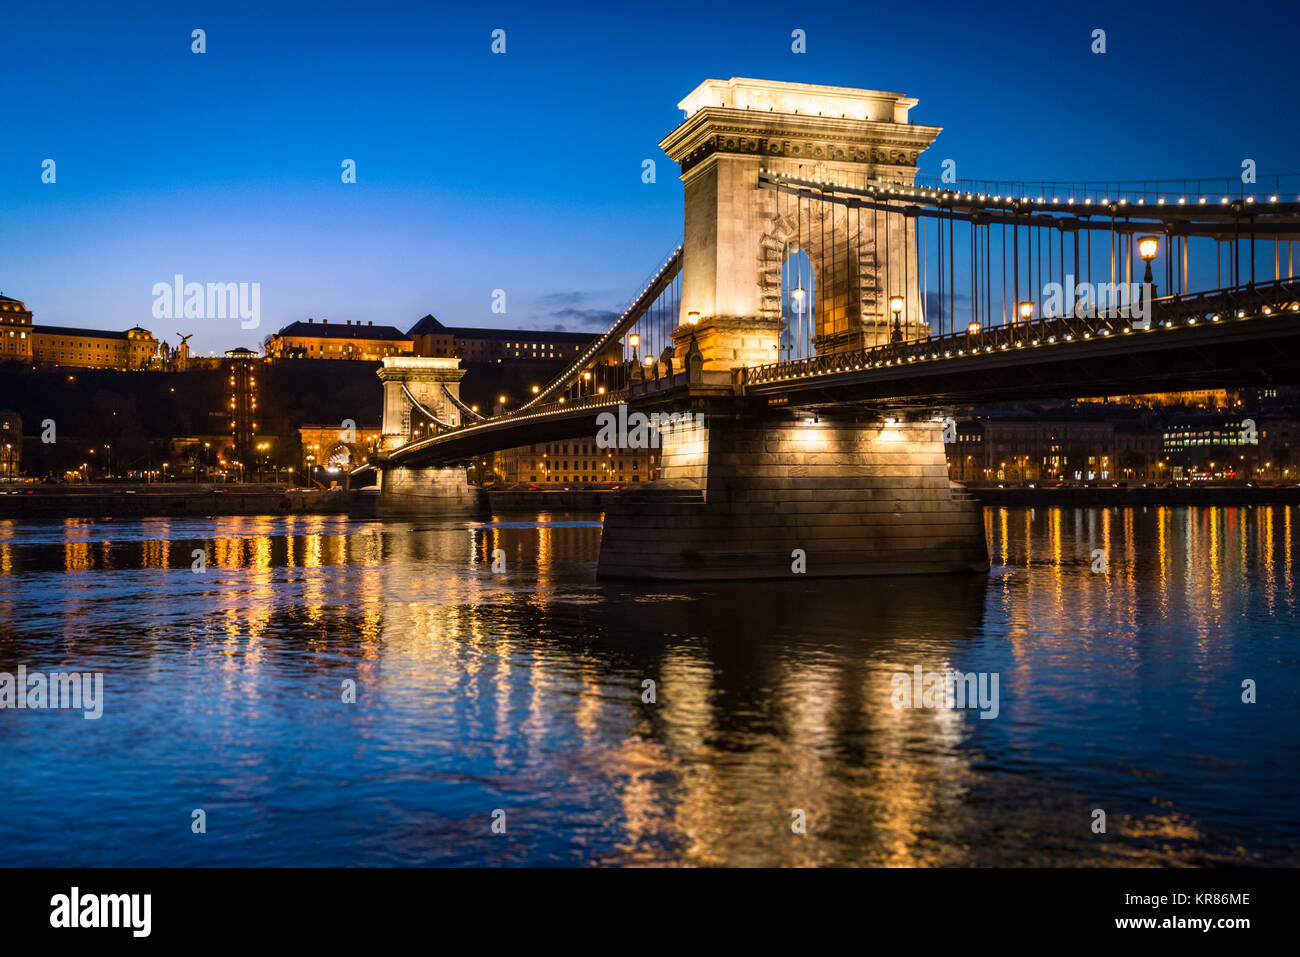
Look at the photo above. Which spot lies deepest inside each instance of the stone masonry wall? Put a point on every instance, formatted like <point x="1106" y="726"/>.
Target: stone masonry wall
<point x="858" y="497"/>
<point x="429" y="493"/>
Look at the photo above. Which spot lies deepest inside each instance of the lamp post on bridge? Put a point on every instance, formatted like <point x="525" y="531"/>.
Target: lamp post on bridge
<point x="1025" y="310"/>
<point x="634" y="340"/>
<point x="694" y="363"/>
<point x="1148" y="246"/>
<point x="896" y="307"/>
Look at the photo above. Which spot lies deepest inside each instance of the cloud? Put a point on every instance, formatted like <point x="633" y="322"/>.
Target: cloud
<point x="570" y="300"/>
<point x="933" y="310"/>
<point x="574" y="312"/>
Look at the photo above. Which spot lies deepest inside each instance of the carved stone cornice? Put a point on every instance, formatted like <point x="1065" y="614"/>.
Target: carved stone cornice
<point x="795" y="138"/>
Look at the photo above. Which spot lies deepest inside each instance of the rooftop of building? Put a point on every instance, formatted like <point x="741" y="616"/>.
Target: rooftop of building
<point x="84" y="333"/>
<point x="431" y="326"/>
<point x="346" y="330"/>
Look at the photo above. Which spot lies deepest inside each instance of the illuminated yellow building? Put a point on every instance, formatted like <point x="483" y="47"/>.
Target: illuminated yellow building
<point x="94" y="348"/>
<point x="15" y="330"/>
<point x="575" y="463"/>
<point x="11" y="444"/>
<point x="1199" y="398"/>
<point x="321" y="340"/>
<point x="69" y="346"/>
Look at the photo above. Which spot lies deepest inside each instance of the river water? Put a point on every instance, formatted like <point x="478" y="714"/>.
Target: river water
<point x="517" y="698"/>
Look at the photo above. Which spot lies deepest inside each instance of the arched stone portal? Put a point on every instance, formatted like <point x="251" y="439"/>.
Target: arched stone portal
<point x="344" y="455"/>
<point x="425" y="378"/>
<point x="735" y="232"/>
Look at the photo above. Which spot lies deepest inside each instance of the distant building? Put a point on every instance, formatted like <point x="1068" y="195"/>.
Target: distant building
<point x="11" y="444"/>
<point x="989" y="450"/>
<point x="575" y="463"/>
<point x="1208" y="432"/>
<point x="432" y="338"/>
<point x="1139" y="454"/>
<point x="1199" y="398"/>
<point x="136" y="348"/>
<point x="94" y="348"/>
<point x="428" y="337"/>
<point x="15" y="330"/>
<point x="321" y="340"/>
<point x="1230" y="447"/>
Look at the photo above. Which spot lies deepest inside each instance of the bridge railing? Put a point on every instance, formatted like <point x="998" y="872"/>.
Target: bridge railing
<point x="1285" y="187"/>
<point x="1241" y="302"/>
<point x="654" y="286"/>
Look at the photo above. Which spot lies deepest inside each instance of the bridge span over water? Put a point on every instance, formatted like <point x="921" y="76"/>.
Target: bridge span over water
<point x="826" y="308"/>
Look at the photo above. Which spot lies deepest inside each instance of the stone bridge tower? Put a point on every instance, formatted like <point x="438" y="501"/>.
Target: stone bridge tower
<point x="425" y="378"/>
<point x="753" y="491"/>
<point x="737" y="235"/>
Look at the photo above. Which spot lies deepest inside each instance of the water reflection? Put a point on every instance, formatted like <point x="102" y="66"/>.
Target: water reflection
<point x="522" y="689"/>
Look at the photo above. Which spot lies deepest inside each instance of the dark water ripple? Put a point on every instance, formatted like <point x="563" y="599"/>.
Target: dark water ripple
<point x="522" y="691"/>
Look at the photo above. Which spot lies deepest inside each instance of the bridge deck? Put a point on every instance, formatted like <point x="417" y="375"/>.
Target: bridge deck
<point x="1229" y="337"/>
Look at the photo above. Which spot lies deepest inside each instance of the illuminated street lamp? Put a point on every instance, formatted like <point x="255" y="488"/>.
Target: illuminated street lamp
<point x="1026" y="310"/>
<point x="896" y="307"/>
<point x="1148" y="246"/>
<point x="536" y="389"/>
<point x="692" y="320"/>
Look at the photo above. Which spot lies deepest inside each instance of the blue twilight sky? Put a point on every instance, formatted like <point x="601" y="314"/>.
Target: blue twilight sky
<point x="523" y="171"/>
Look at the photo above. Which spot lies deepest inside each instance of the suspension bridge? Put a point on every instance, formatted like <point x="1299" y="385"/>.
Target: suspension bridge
<point x="826" y="309"/>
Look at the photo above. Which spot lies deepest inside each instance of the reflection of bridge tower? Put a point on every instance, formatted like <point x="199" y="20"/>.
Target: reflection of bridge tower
<point x="738" y="234"/>
<point x="427" y="379"/>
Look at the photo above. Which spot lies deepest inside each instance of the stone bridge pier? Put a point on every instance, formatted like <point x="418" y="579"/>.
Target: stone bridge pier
<point x="780" y="494"/>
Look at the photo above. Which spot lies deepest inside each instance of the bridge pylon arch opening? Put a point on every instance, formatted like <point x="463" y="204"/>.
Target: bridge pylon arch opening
<point x="737" y="228"/>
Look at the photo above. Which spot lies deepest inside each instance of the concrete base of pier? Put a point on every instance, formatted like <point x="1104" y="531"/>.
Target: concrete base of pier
<point x="759" y="496"/>
<point x="428" y="493"/>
